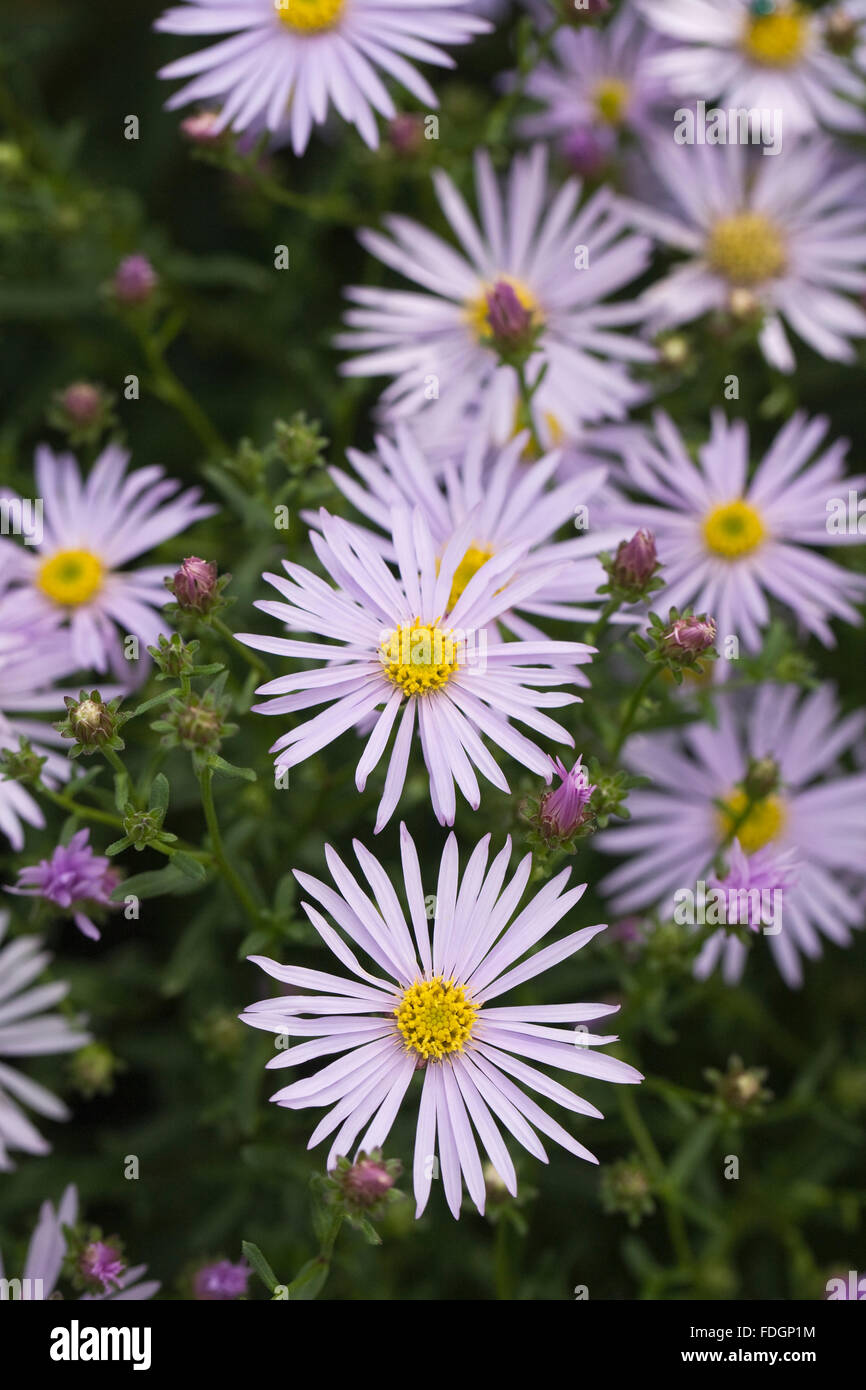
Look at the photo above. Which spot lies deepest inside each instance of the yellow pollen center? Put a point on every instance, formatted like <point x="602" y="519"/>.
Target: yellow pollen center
<point x="611" y="98"/>
<point x="419" y="658"/>
<point x="733" y="529"/>
<point x="776" y="40"/>
<point x="477" y="313"/>
<point x="475" y="557"/>
<point x="746" y="248"/>
<point x="435" y="1018"/>
<point x="71" y="577"/>
<point x="764" y="822"/>
<point x="309" y="16"/>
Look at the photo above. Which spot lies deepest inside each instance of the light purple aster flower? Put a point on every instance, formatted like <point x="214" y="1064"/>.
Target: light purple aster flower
<point x="511" y="504"/>
<point x="817" y="813"/>
<point x="769" y="55"/>
<point x="760" y="883"/>
<point x="398" y="643"/>
<point x="221" y="1280"/>
<point x="33" y="654"/>
<point x="93" y="527"/>
<point x="74" y="878"/>
<point x="290" y="60"/>
<point x="426" y="1007"/>
<point x="778" y="239"/>
<point x="27" y="1029"/>
<point x="47" y="1251"/>
<point x="562" y="261"/>
<point x="598" y="84"/>
<point x="102" y="1265"/>
<point x="730" y="537"/>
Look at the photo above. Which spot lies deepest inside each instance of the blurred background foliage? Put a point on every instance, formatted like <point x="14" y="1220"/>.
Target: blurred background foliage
<point x="248" y="345"/>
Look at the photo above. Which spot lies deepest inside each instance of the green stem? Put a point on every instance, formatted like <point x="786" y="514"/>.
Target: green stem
<point x="229" y="874"/>
<point x="632" y="709"/>
<point x="612" y="606"/>
<point x="653" y="1160"/>
<point x="526" y="394"/>
<point x="250" y="657"/>
<point x="170" y="389"/>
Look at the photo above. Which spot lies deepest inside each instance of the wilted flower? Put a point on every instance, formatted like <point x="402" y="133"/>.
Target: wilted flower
<point x="101" y="1266"/>
<point x="221" y="1281"/>
<point x="689" y="637"/>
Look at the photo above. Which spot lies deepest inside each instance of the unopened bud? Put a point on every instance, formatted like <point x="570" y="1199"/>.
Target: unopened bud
<point x="134" y="280"/>
<point x="194" y="585"/>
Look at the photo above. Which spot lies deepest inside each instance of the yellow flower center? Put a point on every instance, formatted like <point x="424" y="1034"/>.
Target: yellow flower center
<point x="764" y="822"/>
<point x="435" y="1018"/>
<point x="746" y="248"/>
<point x="71" y="577"/>
<point x="475" y="557"/>
<point x="477" y="312"/>
<point x="309" y="16"/>
<point x="419" y="658"/>
<point x="776" y="40"/>
<point x="611" y="98"/>
<point x="733" y="529"/>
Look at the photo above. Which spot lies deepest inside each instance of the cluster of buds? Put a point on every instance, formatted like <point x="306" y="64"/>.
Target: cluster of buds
<point x="299" y="444"/>
<point x="21" y="764"/>
<point x="175" y="659"/>
<point x="684" y="641"/>
<point x="82" y="411"/>
<point x="626" y="1188"/>
<point x="143" y="829"/>
<point x="197" y="588"/>
<point x="632" y="573"/>
<point x="91" y="723"/>
<point x="739" y="1090"/>
<point x="363" y="1189"/>
<point x="197" y="722"/>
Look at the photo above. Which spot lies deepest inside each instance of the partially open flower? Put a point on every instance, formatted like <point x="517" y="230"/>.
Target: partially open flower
<point x="194" y="585"/>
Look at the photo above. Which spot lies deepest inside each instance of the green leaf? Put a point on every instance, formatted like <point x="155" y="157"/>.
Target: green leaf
<point x="189" y="866"/>
<point x="219" y="764"/>
<point x="255" y="1257"/>
<point x="159" y="793"/>
<point x="153" y="884"/>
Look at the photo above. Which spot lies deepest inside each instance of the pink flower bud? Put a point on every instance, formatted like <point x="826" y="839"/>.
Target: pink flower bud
<point x="134" y="280"/>
<point x="563" y="809"/>
<point x="689" y="637"/>
<point x="509" y="321"/>
<point x="194" y="584"/>
<point x="200" y="129"/>
<point x="636" y="561"/>
<point x="81" y="402"/>
<point x="406" y="133"/>
<point x="367" y="1181"/>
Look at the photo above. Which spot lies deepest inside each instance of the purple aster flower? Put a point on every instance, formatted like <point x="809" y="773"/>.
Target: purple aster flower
<point x="426" y="1008"/>
<point x="731" y="537"/>
<point x="765" y="55"/>
<point x="221" y="1281"/>
<point x="74" y="878"/>
<point x="780" y="239"/>
<point x="599" y="82"/>
<point x="508" y="504"/>
<point x="47" y="1251"/>
<point x="402" y="644"/>
<point x="817" y="813"/>
<point x="134" y="280"/>
<point x="28" y="1029"/>
<point x="290" y="60"/>
<point x="564" y="808"/>
<point x="93" y="527"/>
<point x="562" y="261"/>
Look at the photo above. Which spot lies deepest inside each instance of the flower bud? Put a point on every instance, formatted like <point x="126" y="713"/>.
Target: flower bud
<point x="689" y="638"/>
<point x="762" y="778"/>
<point x="194" y="585"/>
<point x="134" y="280"/>
<point x="635" y="563"/>
<point x="406" y="133"/>
<point x="221" y="1281"/>
<point x="101" y="1266"/>
<point x="564" y="809"/>
<point x="199" y="128"/>
<point x="82" y="411"/>
<point x="366" y="1182"/>
<point x="587" y="150"/>
<point x="91" y="722"/>
<point x="510" y="322"/>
